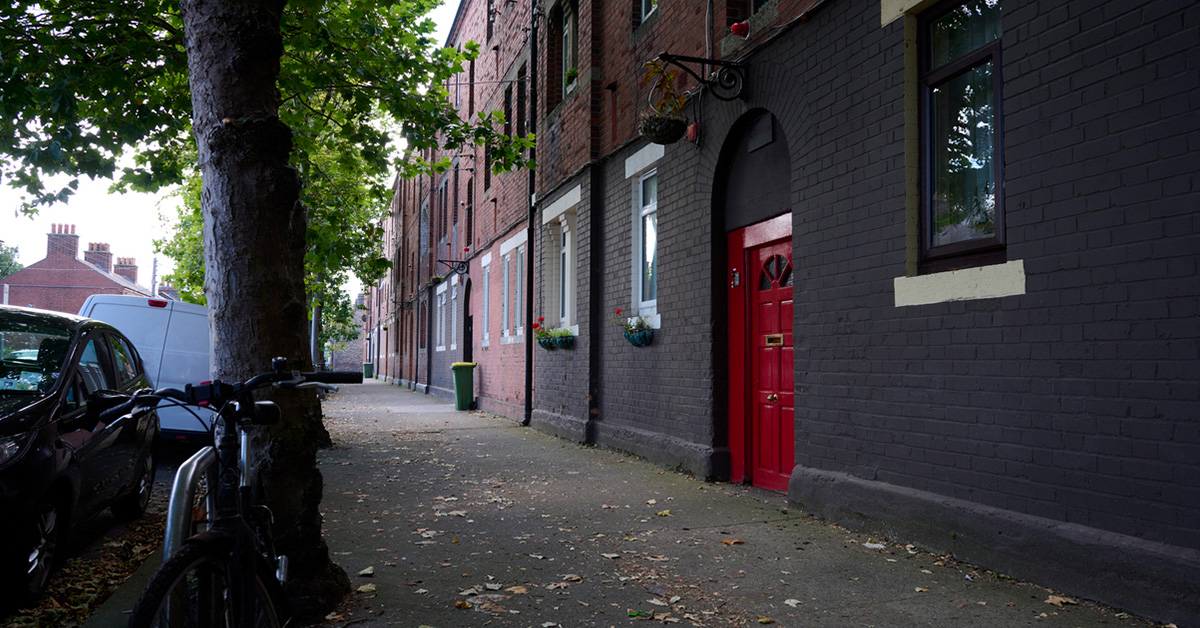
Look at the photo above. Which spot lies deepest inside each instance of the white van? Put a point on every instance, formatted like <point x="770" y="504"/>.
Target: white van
<point x="172" y="338"/>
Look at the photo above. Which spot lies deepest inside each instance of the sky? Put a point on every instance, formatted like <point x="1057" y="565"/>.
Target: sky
<point x="128" y="223"/>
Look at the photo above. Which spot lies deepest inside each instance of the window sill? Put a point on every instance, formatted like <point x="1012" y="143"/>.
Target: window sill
<point x="984" y="282"/>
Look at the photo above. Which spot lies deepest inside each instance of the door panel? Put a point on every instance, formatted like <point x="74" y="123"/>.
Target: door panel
<point x="762" y="391"/>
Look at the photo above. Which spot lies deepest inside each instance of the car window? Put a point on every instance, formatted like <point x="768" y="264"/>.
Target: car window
<point x="31" y="357"/>
<point x="123" y="360"/>
<point x="91" y="369"/>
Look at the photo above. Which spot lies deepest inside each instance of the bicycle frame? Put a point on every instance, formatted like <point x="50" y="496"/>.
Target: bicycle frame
<point x="180" y="512"/>
<point x="232" y="562"/>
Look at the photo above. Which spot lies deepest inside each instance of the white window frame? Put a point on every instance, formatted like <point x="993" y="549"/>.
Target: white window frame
<point x="653" y="6"/>
<point x="454" y="313"/>
<point x="519" y="292"/>
<point x="487" y="303"/>
<point x="440" y="317"/>
<point x="569" y="46"/>
<point x="512" y="251"/>
<point x="641" y="211"/>
<point x="561" y="267"/>
<point x="504" y="294"/>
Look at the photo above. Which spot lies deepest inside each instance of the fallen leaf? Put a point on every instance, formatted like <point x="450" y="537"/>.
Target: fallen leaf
<point x="657" y="602"/>
<point x="793" y="602"/>
<point x="462" y="604"/>
<point x="873" y="545"/>
<point x="606" y="506"/>
<point x="557" y="585"/>
<point x="517" y="590"/>
<point x="366" y="588"/>
<point x="573" y="578"/>
<point x="657" y="559"/>
<point x="765" y="620"/>
<point x="367" y="573"/>
<point x="732" y="541"/>
<point x="922" y="590"/>
<point x="611" y="556"/>
<point x="663" y="513"/>
<point x="1059" y="600"/>
<point x="651" y="501"/>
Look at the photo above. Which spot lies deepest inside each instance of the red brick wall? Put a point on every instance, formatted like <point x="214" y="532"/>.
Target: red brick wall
<point x="59" y="282"/>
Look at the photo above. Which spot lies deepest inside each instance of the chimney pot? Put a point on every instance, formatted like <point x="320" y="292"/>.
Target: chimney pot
<point x="60" y="242"/>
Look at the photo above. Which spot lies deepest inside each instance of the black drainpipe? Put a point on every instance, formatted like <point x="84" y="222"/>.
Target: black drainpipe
<point x="529" y="240"/>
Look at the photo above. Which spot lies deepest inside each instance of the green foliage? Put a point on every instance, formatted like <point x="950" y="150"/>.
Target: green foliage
<point x="186" y="245"/>
<point x="8" y="260"/>
<point x="338" y="325"/>
<point x="82" y="81"/>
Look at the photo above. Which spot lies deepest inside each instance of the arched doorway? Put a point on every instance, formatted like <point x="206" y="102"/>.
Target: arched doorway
<point x="754" y="194"/>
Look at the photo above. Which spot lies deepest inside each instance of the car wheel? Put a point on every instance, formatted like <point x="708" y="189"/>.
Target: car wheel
<point x="134" y="504"/>
<point x="40" y="551"/>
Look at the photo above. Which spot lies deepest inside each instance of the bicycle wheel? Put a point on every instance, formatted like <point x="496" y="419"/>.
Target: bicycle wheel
<point x="191" y="590"/>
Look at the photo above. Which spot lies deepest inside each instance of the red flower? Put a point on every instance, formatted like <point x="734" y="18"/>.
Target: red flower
<point x="535" y="325"/>
<point x="541" y="318"/>
<point x="619" y="311"/>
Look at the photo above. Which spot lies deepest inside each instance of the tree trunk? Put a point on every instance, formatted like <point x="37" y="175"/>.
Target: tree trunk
<point x="254" y="258"/>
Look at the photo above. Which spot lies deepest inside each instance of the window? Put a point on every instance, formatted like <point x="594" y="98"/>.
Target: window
<point x="564" y="276"/>
<point x="560" y="268"/>
<point x="504" y="294"/>
<point x="647" y="7"/>
<point x="519" y="291"/>
<point x="646" y="239"/>
<point x="471" y="90"/>
<point x="520" y="128"/>
<point x="562" y="57"/>
<point x="469" y="211"/>
<point x="123" y="361"/>
<point x="508" y="110"/>
<point x="487" y="168"/>
<point x="961" y="205"/>
<point x="512" y="290"/>
<point x="491" y="17"/>
<point x="487" y="302"/>
<point x="454" y="315"/>
<point x="568" y="51"/>
<point x="440" y="317"/>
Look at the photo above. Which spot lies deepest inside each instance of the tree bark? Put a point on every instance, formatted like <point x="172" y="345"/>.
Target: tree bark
<point x="254" y="257"/>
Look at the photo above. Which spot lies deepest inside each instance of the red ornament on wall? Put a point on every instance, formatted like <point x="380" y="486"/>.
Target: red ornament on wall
<point x="741" y="29"/>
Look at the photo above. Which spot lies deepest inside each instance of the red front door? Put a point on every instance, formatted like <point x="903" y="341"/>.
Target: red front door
<point x="762" y="411"/>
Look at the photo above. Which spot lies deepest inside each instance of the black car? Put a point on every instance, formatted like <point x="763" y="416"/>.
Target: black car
<point x="59" y="463"/>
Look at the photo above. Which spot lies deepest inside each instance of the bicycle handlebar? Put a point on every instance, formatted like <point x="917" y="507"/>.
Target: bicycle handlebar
<point x="218" y="393"/>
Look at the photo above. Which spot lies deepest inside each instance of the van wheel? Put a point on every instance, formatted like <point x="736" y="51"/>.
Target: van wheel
<point x="133" y="505"/>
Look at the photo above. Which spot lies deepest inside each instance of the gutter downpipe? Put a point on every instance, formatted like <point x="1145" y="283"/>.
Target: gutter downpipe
<point x="533" y="83"/>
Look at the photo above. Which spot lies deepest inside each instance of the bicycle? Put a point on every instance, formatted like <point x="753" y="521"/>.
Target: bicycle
<point x="228" y="575"/>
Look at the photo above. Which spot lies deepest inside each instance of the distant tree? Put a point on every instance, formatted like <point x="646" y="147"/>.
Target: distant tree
<point x="8" y="260"/>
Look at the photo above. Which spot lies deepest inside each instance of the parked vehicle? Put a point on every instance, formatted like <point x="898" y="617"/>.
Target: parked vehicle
<point x="172" y="337"/>
<point x="60" y="461"/>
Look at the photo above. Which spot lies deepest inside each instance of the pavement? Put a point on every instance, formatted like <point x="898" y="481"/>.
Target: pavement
<point x="445" y="519"/>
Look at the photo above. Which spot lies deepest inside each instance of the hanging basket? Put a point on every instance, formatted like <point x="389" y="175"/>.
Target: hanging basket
<point x="640" y="338"/>
<point x="564" y="342"/>
<point x="662" y="129"/>
<point x="547" y="343"/>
